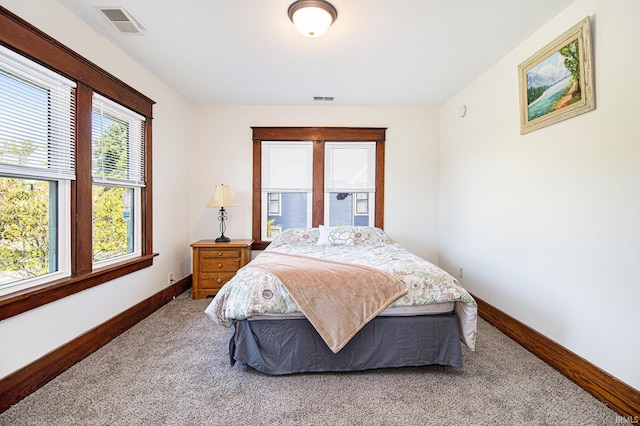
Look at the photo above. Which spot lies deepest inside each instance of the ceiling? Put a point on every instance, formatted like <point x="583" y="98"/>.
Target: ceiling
<point x="378" y="52"/>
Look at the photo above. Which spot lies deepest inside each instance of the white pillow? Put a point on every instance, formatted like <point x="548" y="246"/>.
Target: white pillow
<point x="323" y="238"/>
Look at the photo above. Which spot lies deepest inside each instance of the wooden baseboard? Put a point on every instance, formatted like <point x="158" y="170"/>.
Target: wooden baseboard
<point x="620" y="397"/>
<point x="35" y="375"/>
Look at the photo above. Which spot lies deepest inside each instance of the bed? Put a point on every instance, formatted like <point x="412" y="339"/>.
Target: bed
<point x="340" y="299"/>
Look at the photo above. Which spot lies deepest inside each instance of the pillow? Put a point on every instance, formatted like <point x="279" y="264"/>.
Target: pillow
<point x="323" y="238"/>
<point x="296" y="237"/>
<point x="341" y="236"/>
<point x="336" y="236"/>
<point x="369" y="235"/>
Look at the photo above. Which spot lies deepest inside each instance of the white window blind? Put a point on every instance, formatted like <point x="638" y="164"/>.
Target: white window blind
<point x="37" y="120"/>
<point x="287" y="166"/>
<point x="350" y="167"/>
<point x="118" y="145"/>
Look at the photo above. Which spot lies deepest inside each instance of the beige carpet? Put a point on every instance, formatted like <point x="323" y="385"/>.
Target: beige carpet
<point x="172" y="369"/>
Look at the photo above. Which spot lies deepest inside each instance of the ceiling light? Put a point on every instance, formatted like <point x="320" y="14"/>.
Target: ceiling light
<point x="312" y="18"/>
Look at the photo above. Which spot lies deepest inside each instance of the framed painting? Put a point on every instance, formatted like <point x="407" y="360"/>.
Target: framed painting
<point x="556" y="83"/>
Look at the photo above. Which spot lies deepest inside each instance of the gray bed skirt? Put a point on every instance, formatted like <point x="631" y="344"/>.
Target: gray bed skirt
<point x="294" y="346"/>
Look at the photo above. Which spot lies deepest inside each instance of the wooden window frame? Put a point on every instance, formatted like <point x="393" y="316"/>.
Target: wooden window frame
<point x="25" y="39"/>
<point x="318" y="135"/>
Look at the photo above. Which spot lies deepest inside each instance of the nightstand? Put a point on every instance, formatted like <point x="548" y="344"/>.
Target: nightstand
<point x="216" y="263"/>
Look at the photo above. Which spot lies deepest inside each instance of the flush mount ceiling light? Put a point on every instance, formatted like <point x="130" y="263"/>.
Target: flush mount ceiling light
<point x="312" y="18"/>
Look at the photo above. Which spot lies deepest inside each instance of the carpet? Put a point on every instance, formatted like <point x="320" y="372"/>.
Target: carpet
<point x="172" y="369"/>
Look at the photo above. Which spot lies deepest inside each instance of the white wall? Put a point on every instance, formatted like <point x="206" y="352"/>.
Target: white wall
<point x="222" y="153"/>
<point x="546" y="225"/>
<point x="32" y="334"/>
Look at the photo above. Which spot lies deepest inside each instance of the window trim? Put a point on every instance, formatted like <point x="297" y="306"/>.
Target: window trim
<point x="25" y="39"/>
<point x="318" y="135"/>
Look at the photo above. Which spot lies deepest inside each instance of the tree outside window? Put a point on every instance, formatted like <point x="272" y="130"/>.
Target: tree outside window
<point x="117" y="169"/>
<point x="112" y="205"/>
<point x="50" y="197"/>
<point x="27" y="243"/>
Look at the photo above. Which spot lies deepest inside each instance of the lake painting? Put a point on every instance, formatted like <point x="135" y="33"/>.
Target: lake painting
<point x="554" y="83"/>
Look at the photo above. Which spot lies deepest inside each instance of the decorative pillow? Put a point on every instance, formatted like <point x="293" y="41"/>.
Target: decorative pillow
<point x="335" y="236"/>
<point x="369" y="235"/>
<point x="332" y="236"/>
<point x="296" y="237"/>
<point x="341" y="236"/>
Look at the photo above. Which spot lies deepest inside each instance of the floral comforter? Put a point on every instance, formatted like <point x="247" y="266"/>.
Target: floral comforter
<point x="252" y="291"/>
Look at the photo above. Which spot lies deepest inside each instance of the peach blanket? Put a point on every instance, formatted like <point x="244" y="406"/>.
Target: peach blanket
<point x="337" y="298"/>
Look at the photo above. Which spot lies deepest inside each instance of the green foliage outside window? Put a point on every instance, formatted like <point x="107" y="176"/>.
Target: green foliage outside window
<point x="24" y="229"/>
<point x="272" y="229"/>
<point x="110" y="227"/>
<point x="110" y="152"/>
<point x="112" y="223"/>
<point x="24" y="220"/>
<point x="27" y="236"/>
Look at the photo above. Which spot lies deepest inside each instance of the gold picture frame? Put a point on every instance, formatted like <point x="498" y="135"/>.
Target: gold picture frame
<point x="556" y="83"/>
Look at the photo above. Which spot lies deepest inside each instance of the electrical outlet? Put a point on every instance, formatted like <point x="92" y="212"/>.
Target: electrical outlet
<point x="460" y="272"/>
<point x="170" y="278"/>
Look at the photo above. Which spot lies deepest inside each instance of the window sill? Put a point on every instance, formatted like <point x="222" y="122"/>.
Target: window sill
<point x="24" y="300"/>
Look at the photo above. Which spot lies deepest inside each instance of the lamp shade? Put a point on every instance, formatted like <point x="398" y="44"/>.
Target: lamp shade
<point x="222" y="197"/>
<point x="312" y="18"/>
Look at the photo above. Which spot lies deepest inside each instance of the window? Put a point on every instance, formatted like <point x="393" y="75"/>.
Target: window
<point x="329" y="175"/>
<point x="350" y="169"/>
<point x="36" y="168"/>
<point x="75" y="172"/>
<point x="117" y="150"/>
<point x="29" y="238"/>
<point x="287" y="177"/>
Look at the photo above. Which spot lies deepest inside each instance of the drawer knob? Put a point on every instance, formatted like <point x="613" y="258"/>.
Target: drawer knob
<point x="219" y="253"/>
<point x="219" y="280"/>
<point x="219" y="265"/>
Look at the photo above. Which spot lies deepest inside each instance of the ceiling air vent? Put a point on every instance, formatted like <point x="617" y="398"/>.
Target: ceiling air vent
<point x="122" y="20"/>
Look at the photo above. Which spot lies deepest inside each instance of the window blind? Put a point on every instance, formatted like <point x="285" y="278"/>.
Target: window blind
<point x="287" y="166"/>
<point x="350" y="167"/>
<point x="37" y="120"/>
<point x="118" y="145"/>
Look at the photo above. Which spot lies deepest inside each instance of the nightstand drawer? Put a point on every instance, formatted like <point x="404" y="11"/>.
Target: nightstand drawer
<point x="215" y="281"/>
<point x="217" y="254"/>
<point x="213" y="265"/>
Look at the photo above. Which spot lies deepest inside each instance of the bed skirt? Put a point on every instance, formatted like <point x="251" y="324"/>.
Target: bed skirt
<point x="294" y="346"/>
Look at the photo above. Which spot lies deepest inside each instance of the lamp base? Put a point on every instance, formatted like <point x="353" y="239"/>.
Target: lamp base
<point x="223" y="239"/>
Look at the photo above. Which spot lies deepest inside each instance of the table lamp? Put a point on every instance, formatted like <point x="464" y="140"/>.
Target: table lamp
<point x="222" y="198"/>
